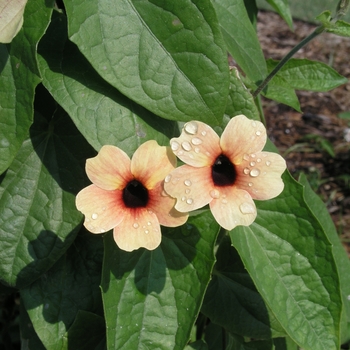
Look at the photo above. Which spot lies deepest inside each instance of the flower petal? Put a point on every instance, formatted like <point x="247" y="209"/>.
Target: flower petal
<point x="261" y="175"/>
<point x="190" y="186"/>
<point x="234" y="207"/>
<point x="110" y="169"/>
<point x="103" y="209"/>
<point x="163" y="206"/>
<point x="242" y="137"/>
<point x="140" y="228"/>
<point x="151" y="163"/>
<point x="198" y="145"/>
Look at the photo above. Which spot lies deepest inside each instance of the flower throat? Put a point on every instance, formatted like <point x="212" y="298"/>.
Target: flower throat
<point x="135" y="195"/>
<point x="223" y="171"/>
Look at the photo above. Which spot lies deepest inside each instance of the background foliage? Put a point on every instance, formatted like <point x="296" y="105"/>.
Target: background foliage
<point x="80" y="75"/>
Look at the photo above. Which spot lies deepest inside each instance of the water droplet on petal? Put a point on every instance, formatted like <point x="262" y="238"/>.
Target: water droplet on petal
<point x="258" y="160"/>
<point x="188" y="191"/>
<point x="167" y="178"/>
<point x="180" y="153"/>
<point x="253" y="155"/>
<point x="188" y="182"/>
<point x="186" y="146"/>
<point x="189" y="201"/>
<point x="250" y="184"/>
<point x="258" y="133"/>
<point x="253" y="124"/>
<point x="196" y="141"/>
<point x="174" y="145"/>
<point x="214" y="194"/>
<point x="247" y="208"/>
<point x="245" y="157"/>
<point x="183" y="198"/>
<point x="149" y="223"/>
<point x="254" y="172"/>
<point x="252" y="163"/>
<point x="246" y="171"/>
<point x="146" y="231"/>
<point x="191" y="128"/>
<point x="94" y="216"/>
<point x="203" y="133"/>
<point x="197" y="150"/>
<point x="268" y="163"/>
<point x="135" y="225"/>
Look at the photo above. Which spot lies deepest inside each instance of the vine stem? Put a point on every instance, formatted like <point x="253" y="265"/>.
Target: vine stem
<point x="286" y="58"/>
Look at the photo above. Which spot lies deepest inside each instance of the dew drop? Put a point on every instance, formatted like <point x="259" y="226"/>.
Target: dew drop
<point x="146" y="231"/>
<point x="203" y="132"/>
<point x="268" y="163"/>
<point x="252" y="163"/>
<point x="102" y="230"/>
<point x="174" y="145"/>
<point x="196" y="141"/>
<point x="167" y="178"/>
<point x="246" y="171"/>
<point x="253" y="124"/>
<point x="245" y="157"/>
<point x="258" y="160"/>
<point x="254" y="172"/>
<point x="186" y="146"/>
<point x="189" y="201"/>
<point x="187" y="191"/>
<point x="197" y="150"/>
<point x="183" y="198"/>
<point x="94" y="216"/>
<point x="149" y="223"/>
<point x="253" y="155"/>
<point x="180" y="153"/>
<point x="188" y="182"/>
<point x="191" y="128"/>
<point x="135" y="225"/>
<point x="258" y="133"/>
<point x="247" y="208"/>
<point x="250" y="184"/>
<point x="214" y="194"/>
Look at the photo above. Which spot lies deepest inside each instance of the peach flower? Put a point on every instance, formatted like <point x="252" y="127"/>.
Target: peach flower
<point x="227" y="172"/>
<point x="128" y="196"/>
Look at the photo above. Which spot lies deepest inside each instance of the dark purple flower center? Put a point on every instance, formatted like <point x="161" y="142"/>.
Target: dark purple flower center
<point x="223" y="172"/>
<point x="135" y="195"/>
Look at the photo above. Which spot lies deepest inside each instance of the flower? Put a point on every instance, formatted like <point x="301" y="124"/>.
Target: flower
<point x="128" y="195"/>
<point x="227" y="172"/>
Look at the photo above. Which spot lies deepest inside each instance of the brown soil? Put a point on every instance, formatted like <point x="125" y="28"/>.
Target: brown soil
<point x="290" y="130"/>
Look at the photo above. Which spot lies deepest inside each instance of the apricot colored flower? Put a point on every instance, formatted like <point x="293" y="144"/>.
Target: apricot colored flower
<point x="128" y="195"/>
<point x="227" y="172"/>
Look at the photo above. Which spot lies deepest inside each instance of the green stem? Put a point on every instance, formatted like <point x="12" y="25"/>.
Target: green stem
<point x="285" y="59"/>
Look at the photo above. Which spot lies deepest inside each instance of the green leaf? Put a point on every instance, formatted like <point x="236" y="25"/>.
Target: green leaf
<point x="231" y="288"/>
<point x="279" y="90"/>
<point x="29" y="338"/>
<point x="240" y="100"/>
<point x="341" y="28"/>
<point x="101" y="113"/>
<point x="72" y="284"/>
<point x="304" y="74"/>
<point x="340" y="256"/>
<point x="168" y="56"/>
<point x="282" y="7"/>
<point x="87" y="332"/>
<point x="241" y="38"/>
<point x="290" y="260"/>
<point x="18" y="79"/>
<point x="151" y="298"/>
<point x="197" y="345"/>
<point x="38" y="218"/>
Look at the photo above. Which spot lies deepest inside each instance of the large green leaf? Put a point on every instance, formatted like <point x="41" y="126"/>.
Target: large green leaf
<point x="72" y="284"/>
<point x="340" y="255"/>
<point x="282" y="7"/>
<point x="241" y="38"/>
<point x="304" y="74"/>
<point x="18" y="79"/>
<point x="38" y="218"/>
<point x="290" y="260"/>
<point x="168" y="56"/>
<point x="101" y="113"/>
<point x="151" y="298"/>
<point x="231" y="288"/>
<point x="240" y="100"/>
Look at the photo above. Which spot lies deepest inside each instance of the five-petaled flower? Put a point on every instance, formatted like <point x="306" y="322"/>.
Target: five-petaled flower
<point x="128" y="195"/>
<point x="227" y="172"/>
